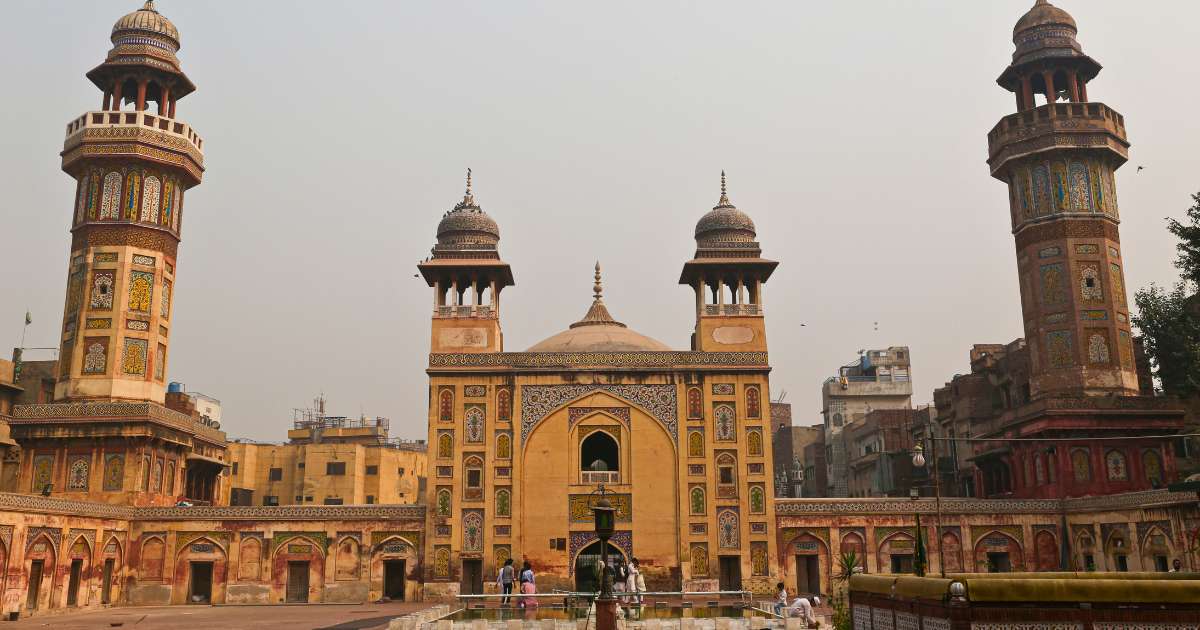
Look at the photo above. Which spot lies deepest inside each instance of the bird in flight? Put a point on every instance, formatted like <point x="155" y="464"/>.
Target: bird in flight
<point x="1140" y="167"/>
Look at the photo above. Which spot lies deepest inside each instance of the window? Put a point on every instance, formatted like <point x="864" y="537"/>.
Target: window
<point x="235" y="467"/>
<point x="308" y="499"/>
<point x="275" y="474"/>
<point x="474" y="478"/>
<point x="332" y="501"/>
<point x="299" y="498"/>
<point x="1122" y="563"/>
<point x="372" y="470"/>
<point x="370" y="499"/>
<point x="1089" y="562"/>
<point x="335" y="468"/>
<point x="999" y="562"/>
<point x="300" y="465"/>
<point x="599" y="453"/>
<point x="270" y="500"/>
<point x="400" y="471"/>
<point x="726" y="473"/>
<point x="902" y="563"/>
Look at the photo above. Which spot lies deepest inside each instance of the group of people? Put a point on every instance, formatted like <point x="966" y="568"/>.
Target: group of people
<point x="627" y="578"/>
<point x="801" y="606"/>
<point x="509" y="577"/>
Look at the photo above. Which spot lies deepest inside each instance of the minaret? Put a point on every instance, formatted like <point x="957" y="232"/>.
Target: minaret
<point x="727" y="273"/>
<point x="1058" y="160"/>
<point x="132" y="165"/>
<point x="467" y="276"/>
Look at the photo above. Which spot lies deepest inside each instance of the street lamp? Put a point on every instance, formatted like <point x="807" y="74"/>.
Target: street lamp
<point x="919" y="551"/>
<point x="605" y="520"/>
<point x="918" y="461"/>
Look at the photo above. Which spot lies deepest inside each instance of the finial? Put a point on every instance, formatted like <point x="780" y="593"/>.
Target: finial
<point x="149" y="6"/>
<point x="597" y="287"/>
<point x="468" y="200"/>
<point x="724" y="201"/>
<point x="468" y="181"/>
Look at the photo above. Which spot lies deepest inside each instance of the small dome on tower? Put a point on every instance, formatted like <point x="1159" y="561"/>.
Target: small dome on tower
<point x="725" y="222"/>
<point x="467" y="223"/>
<point x="146" y="21"/>
<point x="1044" y="14"/>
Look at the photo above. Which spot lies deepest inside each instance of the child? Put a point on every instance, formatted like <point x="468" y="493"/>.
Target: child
<point x="781" y="598"/>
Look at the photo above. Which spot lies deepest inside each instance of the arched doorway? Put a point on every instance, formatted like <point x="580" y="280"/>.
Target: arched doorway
<point x="998" y="552"/>
<point x="200" y="573"/>
<point x="393" y="570"/>
<point x="586" y="563"/>
<point x="40" y="564"/>
<point x="811" y="566"/>
<point x="599" y="453"/>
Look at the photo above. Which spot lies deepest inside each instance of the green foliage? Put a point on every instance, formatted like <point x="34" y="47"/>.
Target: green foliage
<point x="1169" y="321"/>
<point x="1171" y="335"/>
<point x="848" y="564"/>
<point x="841" y="613"/>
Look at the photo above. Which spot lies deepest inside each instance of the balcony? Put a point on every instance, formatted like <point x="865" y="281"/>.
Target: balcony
<point x="482" y="311"/>
<point x="1062" y="125"/>
<point x="591" y="477"/>
<point x="120" y="131"/>
<point x="732" y="309"/>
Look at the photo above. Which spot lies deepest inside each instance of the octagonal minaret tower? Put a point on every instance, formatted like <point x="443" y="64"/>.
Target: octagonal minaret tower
<point x="467" y="276"/>
<point x="1058" y="159"/>
<point x="132" y="166"/>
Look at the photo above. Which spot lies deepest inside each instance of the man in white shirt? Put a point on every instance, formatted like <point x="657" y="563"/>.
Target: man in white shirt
<point x="802" y="608"/>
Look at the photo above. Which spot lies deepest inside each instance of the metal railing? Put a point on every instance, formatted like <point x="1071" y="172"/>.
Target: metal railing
<point x="557" y="594"/>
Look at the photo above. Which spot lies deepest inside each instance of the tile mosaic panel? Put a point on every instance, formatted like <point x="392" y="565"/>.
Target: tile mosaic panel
<point x="1058" y="349"/>
<point x="722" y="389"/>
<point x="98" y="323"/>
<point x="139" y="259"/>
<point x="1053" y="289"/>
<point x="95" y="358"/>
<point x="133" y="361"/>
<point x="475" y="391"/>
<point x="141" y="289"/>
<point x="102" y="290"/>
<point x="539" y="400"/>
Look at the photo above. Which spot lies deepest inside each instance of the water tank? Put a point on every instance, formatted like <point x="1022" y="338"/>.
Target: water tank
<point x="175" y="387"/>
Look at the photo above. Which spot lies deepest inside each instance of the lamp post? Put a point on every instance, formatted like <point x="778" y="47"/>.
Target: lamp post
<point x="919" y="546"/>
<point x="918" y="461"/>
<point x="606" y="604"/>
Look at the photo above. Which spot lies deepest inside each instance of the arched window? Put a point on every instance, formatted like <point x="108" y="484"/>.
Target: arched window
<point x="699" y="560"/>
<point x="133" y="186"/>
<point x="441" y="562"/>
<point x="504" y="405"/>
<point x="1152" y="463"/>
<point x="110" y="203"/>
<point x="723" y="419"/>
<point x="1114" y="464"/>
<point x="503" y="502"/>
<point x="446" y="405"/>
<point x="758" y="500"/>
<point x="472" y="531"/>
<point x="446" y="445"/>
<point x="1081" y="464"/>
<point x="697" y="502"/>
<point x="168" y="205"/>
<point x="504" y="446"/>
<point x="599" y="457"/>
<point x="726" y="476"/>
<point x="695" y="444"/>
<point x="753" y="402"/>
<point x="727" y="530"/>
<point x="473" y="466"/>
<point x="695" y="403"/>
<point x="1039" y="469"/>
<point x="150" y="199"/>
<point x="754" y="443"/>
<point x="346" y="562"/>
<point x="152" y="559"/>
<point x="474" y="425"/>
<point x="443" y="502"/>
<point x="249" y="559"/>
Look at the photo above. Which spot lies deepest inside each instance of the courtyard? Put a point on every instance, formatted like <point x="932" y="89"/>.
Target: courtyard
<point x="298" y="617"/>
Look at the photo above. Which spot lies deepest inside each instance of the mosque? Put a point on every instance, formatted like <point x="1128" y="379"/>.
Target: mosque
<point x="521" y="443"/>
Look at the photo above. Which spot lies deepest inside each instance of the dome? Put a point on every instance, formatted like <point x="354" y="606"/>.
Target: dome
<point x="725" y="222"/>
<point x="1044" y="14"/>
<point x="598" y="332"/>
<point x="467" y="223"/>
<point x="146" y="21"/>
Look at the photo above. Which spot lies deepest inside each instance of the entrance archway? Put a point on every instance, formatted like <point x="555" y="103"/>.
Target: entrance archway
<point x="586" y="563"/>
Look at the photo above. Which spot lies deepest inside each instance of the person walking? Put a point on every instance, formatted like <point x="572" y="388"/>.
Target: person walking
<point x="528" y="587"/>
<point x="620" y="577"/>
<point x="635" y="583"/>
<point x="505" y="580"/>
<point x="781" y="599"/>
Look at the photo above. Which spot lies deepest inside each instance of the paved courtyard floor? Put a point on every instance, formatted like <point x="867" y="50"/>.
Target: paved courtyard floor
<point x="296" y="617"/>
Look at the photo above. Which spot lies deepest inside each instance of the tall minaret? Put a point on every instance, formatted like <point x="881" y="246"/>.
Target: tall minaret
<point x="728" y="273"/>
<point x="467" y="276"/>
<point x="1058" y="158"/>
<point x="132" y="165"/>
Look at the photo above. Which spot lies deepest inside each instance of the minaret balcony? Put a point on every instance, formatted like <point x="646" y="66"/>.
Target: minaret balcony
<point x="1053" y="127"/>
<point x="141" y="135"/>
<point x="482" y="311"/>
<point x="715" y="310"/>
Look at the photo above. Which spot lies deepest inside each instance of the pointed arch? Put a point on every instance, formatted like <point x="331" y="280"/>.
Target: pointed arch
<point x="754" y="443"/>
<point x="504" y="405"/>
<point x="504" y="446"/>
<point x="110" y="202"/>
<point x="753" y="402"/>
<point x="250" y="559"/>
<point x="695" y="404"/>
<point x="153" y="556"/>
<point x="151" y="190"/>
<point x="695" y="444"/>
<point x="346" y="559"/>
<point x="503" y="502"/>
<point x="658" y="402"/>
<point x="697" y="504"/>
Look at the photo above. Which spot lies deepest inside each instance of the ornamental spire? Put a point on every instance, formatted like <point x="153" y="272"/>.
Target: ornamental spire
<point x="468" y="200"/>
<point x="724" y="202"/>
<point x="598" y="314"/>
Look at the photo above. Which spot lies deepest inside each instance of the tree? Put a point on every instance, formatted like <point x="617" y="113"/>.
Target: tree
<point x="1170" y="320"/>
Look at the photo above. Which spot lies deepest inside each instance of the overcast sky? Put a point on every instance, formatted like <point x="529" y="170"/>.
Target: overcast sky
<point x="337" y="133"/>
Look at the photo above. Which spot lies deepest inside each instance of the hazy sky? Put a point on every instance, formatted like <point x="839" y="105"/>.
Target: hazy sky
<point x="337" y="133"/>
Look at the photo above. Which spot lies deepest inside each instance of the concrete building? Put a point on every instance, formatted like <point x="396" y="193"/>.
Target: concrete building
<point x="878" y="379"/>
<point x="793" y="455"/>
<point x="330" y="460"/>
<point x="879" y="452"/>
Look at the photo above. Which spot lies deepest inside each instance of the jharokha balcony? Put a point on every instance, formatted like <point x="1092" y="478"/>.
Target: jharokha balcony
<point x="140" y="134"/>
<point x="1083" y="125"/>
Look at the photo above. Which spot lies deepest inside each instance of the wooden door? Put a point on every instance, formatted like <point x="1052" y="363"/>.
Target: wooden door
<point x="201" y="587"/>
<point x="35" y="584"/>
<point x="297" y="581"/>
<point x="393" y="579"/>
<point x="472" y="577"/>
<point x="731" y="573"/>
<point x="73" y="582"/>
<point x="106" y="583"/>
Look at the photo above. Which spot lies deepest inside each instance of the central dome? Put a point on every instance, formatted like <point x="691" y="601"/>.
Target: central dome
<point x="598" y="332"/>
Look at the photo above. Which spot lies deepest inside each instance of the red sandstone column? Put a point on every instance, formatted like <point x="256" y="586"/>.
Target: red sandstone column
<point x="1083" y="91"/>
<point x="141" y="95"/>
<point x="1048" y="76"/>
<point x="107" y="98"/>
<point x="164" y="101"/>
<point x="171" y="114"/>
<point x="1073" y="84"/>
<point x="116" y="103"/>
